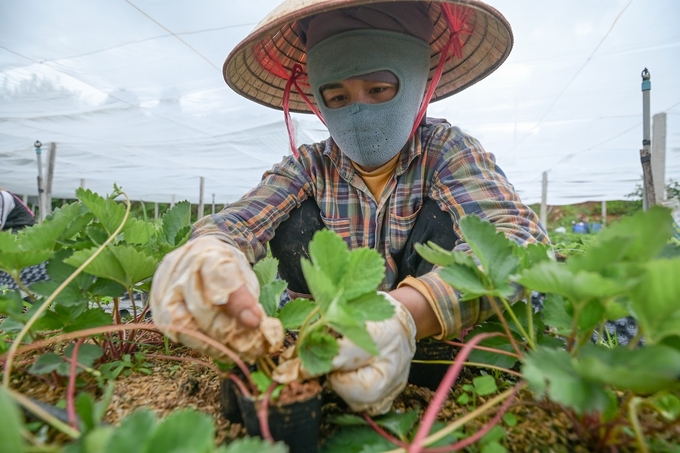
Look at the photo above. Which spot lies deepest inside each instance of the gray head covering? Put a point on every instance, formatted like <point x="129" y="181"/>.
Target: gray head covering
<point x="404" y="17"/>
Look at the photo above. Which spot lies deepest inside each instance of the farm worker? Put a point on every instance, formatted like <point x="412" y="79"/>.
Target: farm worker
<point x="387" y="178"/>
<point x="15" y="216"/>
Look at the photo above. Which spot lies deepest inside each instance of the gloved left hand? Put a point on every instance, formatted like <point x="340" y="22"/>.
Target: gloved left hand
<point x="371" y="383"/>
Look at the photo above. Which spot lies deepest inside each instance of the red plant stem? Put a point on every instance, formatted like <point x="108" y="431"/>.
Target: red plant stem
<point x="479" y="434"/>
<point x="444" y="386"/>
<point x="263" y="413"/>
<point x="504" y="323"/>
<point x="483" y="348"/>
<point x="385" y="434"/>
<point x="239" y="383"/>
<point x="71" y="389"/>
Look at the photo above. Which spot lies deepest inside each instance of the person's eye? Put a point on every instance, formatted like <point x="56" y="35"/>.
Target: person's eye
<point x="378" y="90"/>
<point x="338" y="98"/>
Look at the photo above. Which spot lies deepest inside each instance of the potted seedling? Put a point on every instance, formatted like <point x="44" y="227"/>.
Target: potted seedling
<point x="343" y="285"/>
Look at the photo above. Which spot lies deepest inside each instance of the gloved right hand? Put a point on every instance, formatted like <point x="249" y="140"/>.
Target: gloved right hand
<point x="193" y="286"/>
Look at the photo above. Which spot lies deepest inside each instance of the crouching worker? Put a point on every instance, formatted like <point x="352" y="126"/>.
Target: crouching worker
<point x="387" y="178"/>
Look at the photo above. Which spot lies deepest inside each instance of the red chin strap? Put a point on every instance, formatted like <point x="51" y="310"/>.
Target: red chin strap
<point x="297" y="77"/>
<point x="457" y="18"/>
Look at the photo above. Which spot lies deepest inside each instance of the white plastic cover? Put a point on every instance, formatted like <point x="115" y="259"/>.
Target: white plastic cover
<point x="132" y="93"/>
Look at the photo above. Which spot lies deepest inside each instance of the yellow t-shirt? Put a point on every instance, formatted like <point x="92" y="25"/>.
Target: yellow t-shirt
<point x="376" y="179"/>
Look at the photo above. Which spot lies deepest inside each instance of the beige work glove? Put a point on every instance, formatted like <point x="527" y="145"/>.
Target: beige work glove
<point x="190" y="286"/>
<point x="371" y="383"/>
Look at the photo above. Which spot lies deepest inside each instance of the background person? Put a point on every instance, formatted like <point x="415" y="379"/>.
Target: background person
<point x="15" y="216"/>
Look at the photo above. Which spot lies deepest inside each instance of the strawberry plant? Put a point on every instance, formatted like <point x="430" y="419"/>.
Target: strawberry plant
<point x="628" y="269"/>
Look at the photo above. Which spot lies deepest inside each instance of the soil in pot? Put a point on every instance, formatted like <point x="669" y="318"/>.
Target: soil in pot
<point x="294" y="418"/>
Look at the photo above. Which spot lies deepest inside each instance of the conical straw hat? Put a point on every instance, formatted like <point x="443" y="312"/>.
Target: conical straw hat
<point x="263" y="80"/>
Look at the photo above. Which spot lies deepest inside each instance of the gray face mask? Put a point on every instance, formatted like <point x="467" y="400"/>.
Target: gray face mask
<point x="371" y="134"/>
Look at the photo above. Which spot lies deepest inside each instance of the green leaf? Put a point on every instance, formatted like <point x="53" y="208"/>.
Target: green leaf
<point x="121" y="263"/>
<point x="76" y="291"/>
<point x="636" y="233"/>
<point x="11" y="425"/>
<point x="261" y="380"/>
<point x="577" y="286"/>
<point x="370" y="307"/>
<point x="555" y="314"/>
<point x="295" y="312"/>
<point x="667" y="405"/>
<point x="532" y="254"/>
<point x="46" y="363"/>
<point x="552" y="372"/>
<point x="252" y="445"/>
<point x="84" y="404"/>
<point x="592" y="314"/>
<point x="442" y="257"/>
<point x="109" y="213"/>
<point x="78" y="224"/>
<point x="107" y="288"/>
<point x="399" y="424"/>
<point x="87" y="353"/>
<point x="356" y="439"/>
<point x="45" y="235"/>
<point x="316" y="351"/>
<point x="184" y="430"/>
<point x="270" y="296"/>
<point x="175" y="220"/>
<point x="139" y="231"/>
<point x="358" y="335"/>
<point x="484" y="385"/>
<point x="644" y="371"/>
<point x="321" y="286"/>
<point x="96" y="233"/>
<point x="365" y="270"/>
<point x="14" y="262"/>
<point x="510" y="419"/>
<point x="655" y="300"/>
<point x="134" y="433"/>
<point x="492" y="248"/>
<point x="468" y="281"/>
<point x="329" y="253"/>
<point x="346" y="420"/>
<point x="8" y="243"/>
<point x="266" y="270"/>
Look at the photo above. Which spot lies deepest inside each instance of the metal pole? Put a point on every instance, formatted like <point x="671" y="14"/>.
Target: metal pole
<point x="649" y="197"/>
<point x="659" y="155"/>
<point x="41" y="195"/>
<point x="544" y="200"/>
<point x="199" y="215"/>
<point x="604" y="213"/>
<point x="50" y="177"/>
<point x="213" y="204"/>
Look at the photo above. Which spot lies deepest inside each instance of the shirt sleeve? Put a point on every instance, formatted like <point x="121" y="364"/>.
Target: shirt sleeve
<point x="467" y="181"/>
<point x="7" y="204"/>
<point x="250" y="222"/>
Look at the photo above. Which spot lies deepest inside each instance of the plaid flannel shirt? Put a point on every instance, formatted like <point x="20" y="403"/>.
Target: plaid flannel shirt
<point x="440" y="162"/>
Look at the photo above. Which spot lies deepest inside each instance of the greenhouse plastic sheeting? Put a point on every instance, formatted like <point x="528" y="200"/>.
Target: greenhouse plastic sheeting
<point x="131" y="92"/>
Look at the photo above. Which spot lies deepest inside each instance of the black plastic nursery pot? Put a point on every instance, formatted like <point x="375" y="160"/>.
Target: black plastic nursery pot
<point x="431" y="374"/>
<point x="296" y="424"/>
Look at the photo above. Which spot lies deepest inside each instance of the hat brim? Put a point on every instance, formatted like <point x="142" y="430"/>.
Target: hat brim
<point x="484" y="50"/>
